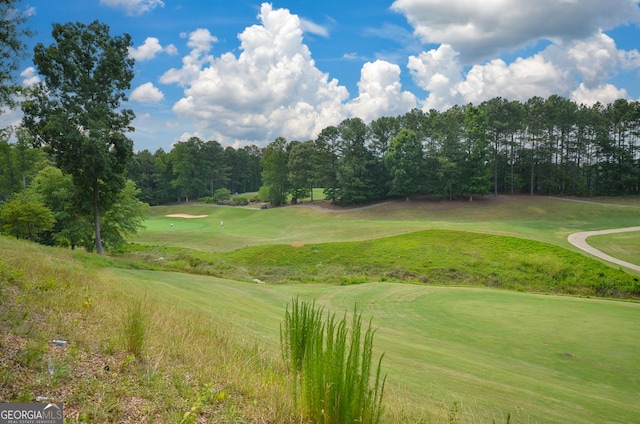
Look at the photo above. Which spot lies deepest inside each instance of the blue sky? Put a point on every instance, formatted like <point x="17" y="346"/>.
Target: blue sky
<point x="245" y="72"/>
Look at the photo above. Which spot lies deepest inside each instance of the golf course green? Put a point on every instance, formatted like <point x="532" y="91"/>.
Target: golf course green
<point x="465" y="353"/>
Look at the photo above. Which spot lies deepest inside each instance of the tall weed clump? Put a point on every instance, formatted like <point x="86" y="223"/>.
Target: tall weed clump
<point x="134" y="330"/>
<point x="331" y="365"/>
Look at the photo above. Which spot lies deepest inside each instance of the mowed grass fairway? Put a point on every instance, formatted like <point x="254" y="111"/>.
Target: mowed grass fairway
<point x="545" y="219"/>
<point x="625" y="246"/>
<point x="540" y="358"/>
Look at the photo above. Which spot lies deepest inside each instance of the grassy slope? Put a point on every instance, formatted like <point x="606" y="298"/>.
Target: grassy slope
<point x="494" y="351"/>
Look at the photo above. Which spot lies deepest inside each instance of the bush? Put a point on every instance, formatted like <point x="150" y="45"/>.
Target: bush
<point x="263" y="194"/>
<point x="221" y="194"/>
<point x="330" y="371"/>
<point x="240" y="200"/>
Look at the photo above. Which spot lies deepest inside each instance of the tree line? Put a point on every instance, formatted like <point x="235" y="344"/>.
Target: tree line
<point x="194" y="169"/>
<point x="549" y="146"/>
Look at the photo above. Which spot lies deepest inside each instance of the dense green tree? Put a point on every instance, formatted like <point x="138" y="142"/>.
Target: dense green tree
<point x="8" y="178"/>
<point x="383" y="130"/>
<point x="76" y="112"/>
<point x="275" y="171"/>
<point x="252" y="179"/>
<point x="19" y="162"/>
<point x="405" y="163"/>
<point x="58" y="193"/>
<point x="190" y="169"/>
<point x="125" y="218"/>
<point x="12" y="48"/>
<point x="514" y="129"/>
<point x="354" y="173"/>
<point x="140" y="169"/>
<point x="243" y="169"/>
<point x="618" y="151"/>
<point x="550" y="146"/>
<point x="327" y="148"/>
<point x="498" y="122"/>
<point x="476" y="174"/>
<point x="534" y="122"/>
<point x="73" y="227"/>
<point x="216" y="166"/>
<point x="303" y="169"/>
<point x="28" y="161"/>
<point x="24" y="215"/>
<point x="163" y="175"/>
<point x="451" y="153"/>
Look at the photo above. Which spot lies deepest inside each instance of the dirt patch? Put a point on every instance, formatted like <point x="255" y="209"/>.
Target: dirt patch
<point x="297" y="244"/>
<point x="185" y="215"/>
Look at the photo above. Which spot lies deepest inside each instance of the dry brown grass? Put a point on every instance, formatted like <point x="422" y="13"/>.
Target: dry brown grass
<point x="192" y="367"/>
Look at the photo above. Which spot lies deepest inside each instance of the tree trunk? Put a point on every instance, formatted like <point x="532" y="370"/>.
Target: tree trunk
<point x="96" y="219"/>
<point x="495" y="168"/>
<point x="533" y="161"/>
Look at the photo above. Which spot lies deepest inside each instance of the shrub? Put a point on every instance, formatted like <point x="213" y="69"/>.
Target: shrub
<point x="241" y="200"/>
<point x="221" y="194"/>
<point x="330" y="371"/>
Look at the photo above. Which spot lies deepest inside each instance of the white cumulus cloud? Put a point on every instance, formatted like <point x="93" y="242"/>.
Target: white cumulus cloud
<point x="146" y="93"/>
<point x="271" y="89"/>
<point x="579" y="69"/>
<point x="29" y="77"/>
<point x="201" y="40"/>
<point x="149" y="49"/>
<point x="380" y="92"/>
<point x="604" y="93"/>
<point x="482" y="29"/>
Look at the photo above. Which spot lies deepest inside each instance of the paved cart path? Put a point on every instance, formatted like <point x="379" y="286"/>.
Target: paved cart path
<point x="579" y="240"/>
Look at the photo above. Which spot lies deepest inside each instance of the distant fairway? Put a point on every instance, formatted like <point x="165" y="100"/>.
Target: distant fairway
<point x="544" y="219"/>
<point x="539" y="358"/>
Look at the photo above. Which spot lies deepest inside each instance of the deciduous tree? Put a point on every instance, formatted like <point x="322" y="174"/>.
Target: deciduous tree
<point x="12" y="48"/>
<point x="76" y="112"/>
<point x="25" y="216"/>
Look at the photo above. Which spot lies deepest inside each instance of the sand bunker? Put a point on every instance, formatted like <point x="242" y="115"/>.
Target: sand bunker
<point x="186" y="215"/>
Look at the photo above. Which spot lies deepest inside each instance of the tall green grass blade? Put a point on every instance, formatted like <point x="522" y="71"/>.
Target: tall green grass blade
<point x="330" y="365"/>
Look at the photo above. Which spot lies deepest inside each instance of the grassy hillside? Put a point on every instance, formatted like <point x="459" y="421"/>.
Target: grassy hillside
<point x="149" y="344"/>
<point x="131" y="356"/>
<point x="433" y="257"/>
